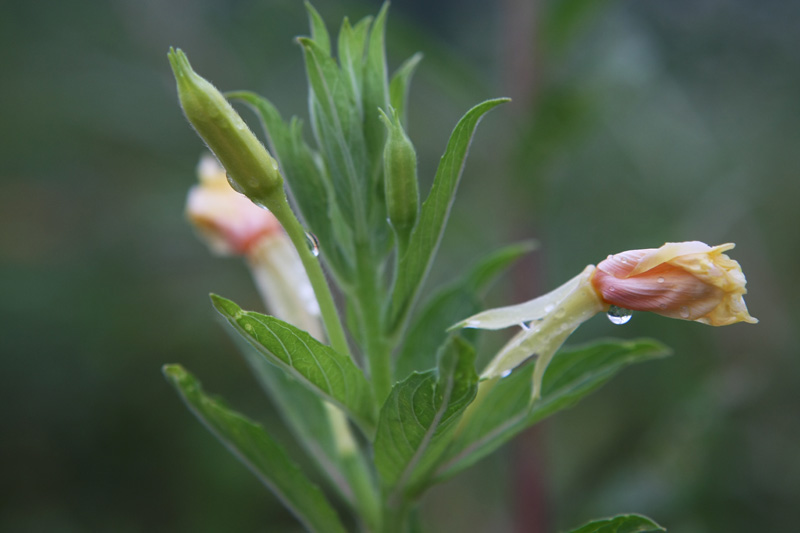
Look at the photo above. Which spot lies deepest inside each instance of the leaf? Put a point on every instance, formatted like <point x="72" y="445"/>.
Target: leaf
<point x="504" y="408"/>
<point x="376" y="93"/>
<point x="350" y="50"/>
<point x="627" y="523"/>
<point x="413" y="267"/>
<point x="459" y="299"/>
<point x="398" y="87"/>
<point x="318" y="30"/>
<point x="331" y="375"/>
<point x="306" y="416"/>
<point x="338" y="128"/>
<point x="418" y="419"/>
<point x="306" y="180"/>
<point x="251" y="444"/>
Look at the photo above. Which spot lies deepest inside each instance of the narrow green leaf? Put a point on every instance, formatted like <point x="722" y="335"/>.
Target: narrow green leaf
<point x="319" y="32"/>
<point x="453" y="302"/>
<point x="338" y="128"/>
<point x="376" y="92"/>
<point x="307" y="181"/>
<point x="352" y="41"/>
<point x="304" y="413"/>
<point x="251" y="444"/>
<point x="417" y="421"/>
<point x="331" y="375"/>
<point x="398" y="87"/>
<point x="495" y="263"/>
<point x="504" y="409"/>
<point x="627" y="523"/>
<point x="413" y="267"/>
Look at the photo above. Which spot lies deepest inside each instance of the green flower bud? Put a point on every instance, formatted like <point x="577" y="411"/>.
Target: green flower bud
<point x="250" y="168"/>
<point x="400" y="178"/>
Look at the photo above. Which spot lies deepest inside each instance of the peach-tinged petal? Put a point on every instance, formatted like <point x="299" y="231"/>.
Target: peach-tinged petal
<point x="688" y="280"/>
<point x="666" y="253"/>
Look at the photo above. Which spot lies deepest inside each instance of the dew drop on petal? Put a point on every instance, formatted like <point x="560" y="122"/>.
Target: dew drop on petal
<point x="684" y="311"/>
<point x="505" y="373"/>
<point x="549" y="308"/>
<point x="660" y="279"/>
<point x="619" y="315"/>
<point x="313" y="243"/>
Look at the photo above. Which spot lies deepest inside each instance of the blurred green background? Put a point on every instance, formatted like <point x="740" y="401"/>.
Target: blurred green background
<point x="634" y="123"/>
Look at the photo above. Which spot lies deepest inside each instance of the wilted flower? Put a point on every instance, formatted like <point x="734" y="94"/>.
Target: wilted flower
<point x="686" y="280"/>
<point x="231" y="224"/>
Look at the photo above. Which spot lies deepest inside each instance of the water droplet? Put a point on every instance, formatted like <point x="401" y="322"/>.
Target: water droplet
<point x="619" y="315"/>
<point x="248" y="327"/>
<point x="549" y="308"/>
<point x="684" y="311"/>
<point x="623" y="260"/>
<point x="505" y="373"/>
<point x="660" y="279"/>
<point x="313" y="243"/>
<point x="662" y="305"/>
<point x="560" y="313"/>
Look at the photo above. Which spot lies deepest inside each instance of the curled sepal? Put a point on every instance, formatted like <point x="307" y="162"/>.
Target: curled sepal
<point x="250" y="168"/>
<point x="552" y="317"/>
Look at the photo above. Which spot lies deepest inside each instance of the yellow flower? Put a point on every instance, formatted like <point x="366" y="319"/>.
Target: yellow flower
<point x="686" y="280"/>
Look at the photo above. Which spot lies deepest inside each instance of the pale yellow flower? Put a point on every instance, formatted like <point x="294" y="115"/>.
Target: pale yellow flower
<point x="685" y="280"/>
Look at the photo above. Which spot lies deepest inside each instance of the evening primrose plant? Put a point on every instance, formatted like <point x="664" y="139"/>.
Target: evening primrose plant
<point x="379" y="385"/>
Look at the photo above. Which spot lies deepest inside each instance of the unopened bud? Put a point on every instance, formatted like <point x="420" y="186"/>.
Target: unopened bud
<point x="400" y="177"/>
<point x="250" y="168"/>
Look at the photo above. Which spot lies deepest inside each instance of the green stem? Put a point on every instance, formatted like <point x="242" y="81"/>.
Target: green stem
<point x="396" y="518"/>
<point x="376" y="346"/>
<point x="356" y="472"/>
<point x="327" y="307"/>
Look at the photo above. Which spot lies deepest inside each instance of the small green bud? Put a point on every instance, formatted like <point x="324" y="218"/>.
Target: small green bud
<point x="400" y="178"/>
<point x="251" y="169"/>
